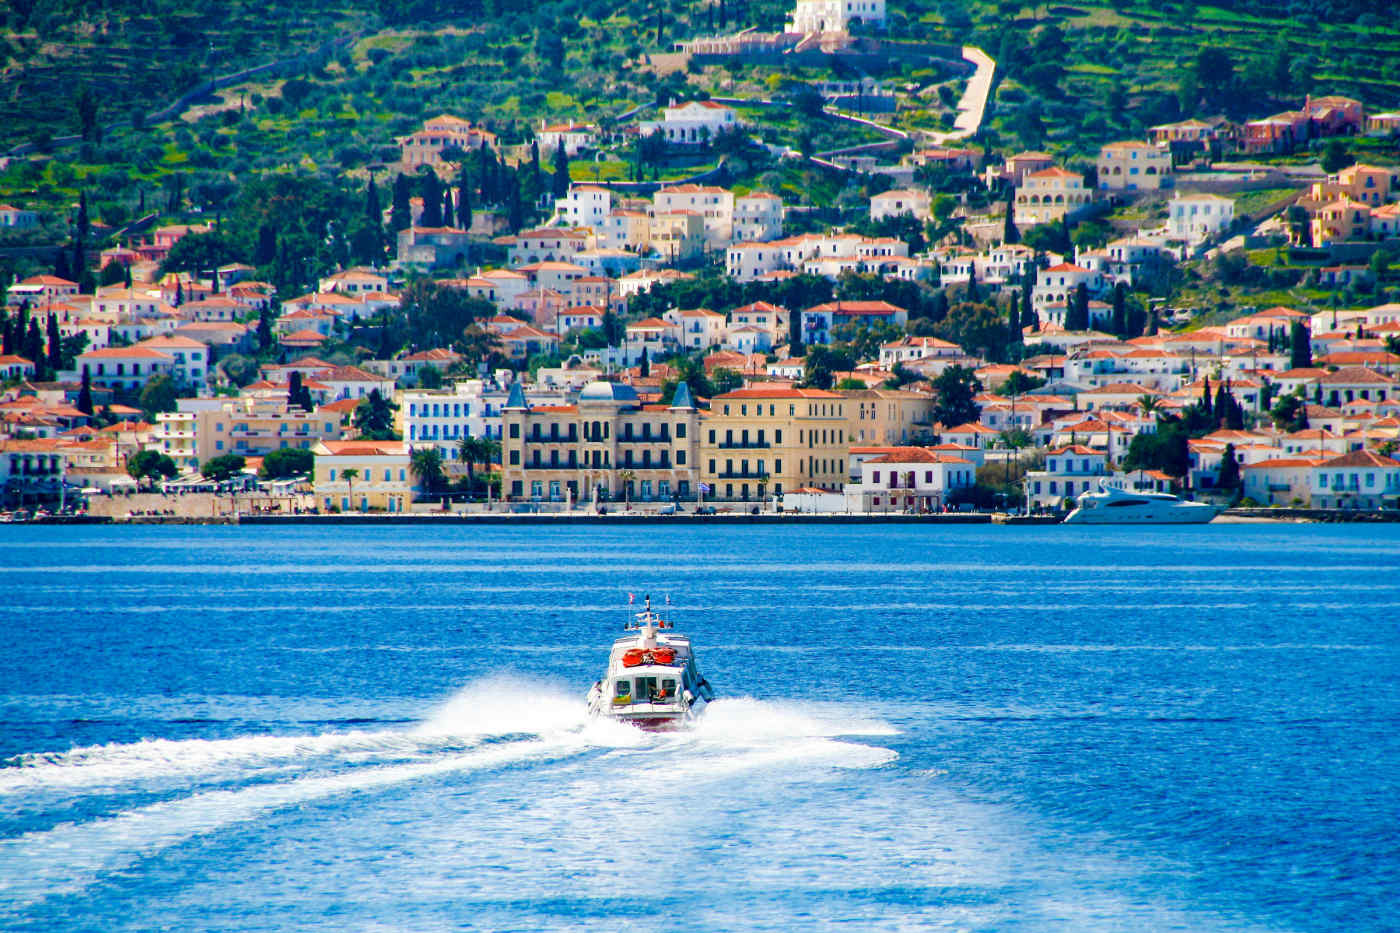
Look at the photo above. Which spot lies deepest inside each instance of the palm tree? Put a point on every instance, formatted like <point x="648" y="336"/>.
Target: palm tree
<point x="350" y="474"/>
<point x="474" y="450"/>
<point x="1149" y="405"/>
<point x="626" y="477"/>
<point x="426" y="463"/>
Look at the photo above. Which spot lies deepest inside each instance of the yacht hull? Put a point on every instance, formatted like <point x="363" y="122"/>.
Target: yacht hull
<point x="1185" y="514"/>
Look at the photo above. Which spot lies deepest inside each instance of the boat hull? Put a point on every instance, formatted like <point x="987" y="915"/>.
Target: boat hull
<point x="1190" y="513"/>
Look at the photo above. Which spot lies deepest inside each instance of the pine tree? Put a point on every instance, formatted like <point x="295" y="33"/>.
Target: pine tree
<point x="401" y="210"/>
<point x="85" y="393"/>
<point x="561" y="172"/>
<point x="55" y="344"/>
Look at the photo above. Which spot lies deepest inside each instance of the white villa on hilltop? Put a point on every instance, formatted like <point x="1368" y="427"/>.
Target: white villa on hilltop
<point x="835" y="15"/>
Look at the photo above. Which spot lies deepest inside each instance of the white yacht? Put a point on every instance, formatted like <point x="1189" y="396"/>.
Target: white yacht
<point x="651" y="680"/>
<point x="1111" y="506"/>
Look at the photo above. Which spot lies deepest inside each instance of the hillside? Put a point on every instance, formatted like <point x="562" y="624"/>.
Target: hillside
<point x="1071" y="77"/>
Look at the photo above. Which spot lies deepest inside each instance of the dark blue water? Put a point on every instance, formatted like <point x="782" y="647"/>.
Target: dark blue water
<point x="959" y="728"/>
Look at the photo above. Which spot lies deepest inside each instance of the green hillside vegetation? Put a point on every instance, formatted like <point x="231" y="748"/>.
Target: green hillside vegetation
<point x="1072" y="78"/>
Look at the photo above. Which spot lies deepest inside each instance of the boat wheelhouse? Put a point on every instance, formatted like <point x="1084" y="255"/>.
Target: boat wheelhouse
<point x="651" y="679"/>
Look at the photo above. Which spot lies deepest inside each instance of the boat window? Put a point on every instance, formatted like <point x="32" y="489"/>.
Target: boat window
<point x="668" y="688"/>
<point x="1119" y="503"/>
<point x="623" y="688"/>
<point x="646" y="688"/>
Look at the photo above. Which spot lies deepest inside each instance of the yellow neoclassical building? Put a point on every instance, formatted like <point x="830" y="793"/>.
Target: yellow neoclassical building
<point x="608" y="444"/>
<point x="768" y="440"/>
<point x="363" y="476"/>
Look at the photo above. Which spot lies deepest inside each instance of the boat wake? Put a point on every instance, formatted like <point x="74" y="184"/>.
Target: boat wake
<point x="497" y="728"/>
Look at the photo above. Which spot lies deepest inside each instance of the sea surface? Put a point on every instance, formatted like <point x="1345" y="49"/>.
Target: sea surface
<point x="961" y="728"/>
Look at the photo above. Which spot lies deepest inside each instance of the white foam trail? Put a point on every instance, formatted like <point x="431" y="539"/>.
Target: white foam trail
<point x="497" y="706"/>
<point x="122" y="763"/>
<point x="744" y="719"/>
<point x="69" y="857"/>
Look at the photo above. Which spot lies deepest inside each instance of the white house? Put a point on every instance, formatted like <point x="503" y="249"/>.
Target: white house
<point x="584" y="206"/>
<point x="907" y="479"/>
<point x="1193" y="217"/>
<point x="573" y="137"/>
<point x="693" y="123"/>
<point x="900" y="201"/>
<point x="1069" y="471"/>
<point x="1361" y="479"/>
<point x="1059" y="284"/>
<point x="758" y="217"/>
<point x="835" y="15"/>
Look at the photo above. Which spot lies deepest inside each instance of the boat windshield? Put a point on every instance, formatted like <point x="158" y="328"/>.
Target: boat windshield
<point x="646" y="690"/>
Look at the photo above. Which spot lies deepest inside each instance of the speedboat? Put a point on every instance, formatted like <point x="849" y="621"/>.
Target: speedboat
<point x="651" y="680"/>
<point x="1110" y="506"/>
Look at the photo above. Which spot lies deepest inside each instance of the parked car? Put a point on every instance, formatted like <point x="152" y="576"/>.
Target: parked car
<point x="705" y="510"/>
<point x="673" y="508"/>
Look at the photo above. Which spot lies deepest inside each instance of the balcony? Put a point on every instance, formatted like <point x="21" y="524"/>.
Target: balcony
<point x="645" y="439"/>
<point x="744" y="445"/>
<point x="745" y="474"/>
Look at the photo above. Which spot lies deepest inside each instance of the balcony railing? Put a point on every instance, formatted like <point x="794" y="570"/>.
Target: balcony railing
<point x="744" y="445"/>
<point x="745" y="474"/>
<point x="645" y="439"/>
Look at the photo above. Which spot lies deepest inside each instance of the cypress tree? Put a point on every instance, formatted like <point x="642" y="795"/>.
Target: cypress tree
<point x="645" y="366"/>
<point x="535" y="173"/>
<point x="264" y="328"/>
<point x="294" y="388"/>
<point x="126" y="275"/>
<point x="1205" y="403"/>
<point x="34" y="344"/>
<point x="1028" y="316"/>
<point x="447" y="219"/>
<point x="464" y="203"/>
<point x="7" y="334"/>
<point x="1013" y="324"/>
<point x="400" y="208"/>
<point x="55" y="344"/>
<point x="60" y="265"/>
<point x="179" y="292"/>
<point x="1120" y="310"/>
<point x="84" y="225"/>
<point x="561" y="172"/>
<point x="1229" y="469"/>
<point x="1009" y="233"/>
<point x="85" y="393"/>
<point x="266" y="250"/>
<point x="973" y="293"/>
<point x="515" y="212"/>
<point x="1300" y="346"/>
<point x="373" y="212"/>
<point x="795" y="347"/>
<point x="1077" y="314"/>
<point x="1222" y="405"/>
<point x="432" y="201"/>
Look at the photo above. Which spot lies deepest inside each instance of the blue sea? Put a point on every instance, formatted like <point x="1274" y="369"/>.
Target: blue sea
<point x="952" y="728"/>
